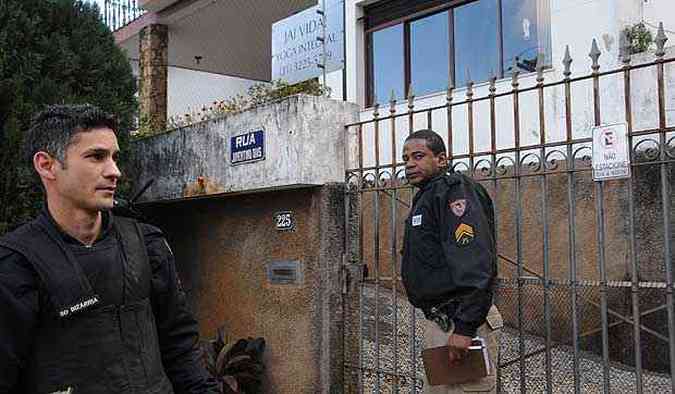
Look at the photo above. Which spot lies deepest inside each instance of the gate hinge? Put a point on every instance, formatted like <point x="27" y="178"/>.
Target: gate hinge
<point x="352" y="274"/>
<point x="344" y="274"/>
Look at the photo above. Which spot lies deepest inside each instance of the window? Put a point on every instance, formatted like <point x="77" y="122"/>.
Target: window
<point x="520" y="34"/>
<point x="430" y="43"/>
<point x="388" y="63"/>
<point x="429" y="65"/>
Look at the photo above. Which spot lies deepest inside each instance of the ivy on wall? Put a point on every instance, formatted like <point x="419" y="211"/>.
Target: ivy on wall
<point x="639" y="38"/>
<point x="258" y="94"/>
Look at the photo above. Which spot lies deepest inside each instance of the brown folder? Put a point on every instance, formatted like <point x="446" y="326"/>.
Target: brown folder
<point x="475" y="365"/>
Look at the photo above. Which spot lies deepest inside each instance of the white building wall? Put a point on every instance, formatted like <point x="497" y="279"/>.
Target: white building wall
<point x="654" y="11"/>
<point x="573" y="22"/>
<point x="190" y="90"/>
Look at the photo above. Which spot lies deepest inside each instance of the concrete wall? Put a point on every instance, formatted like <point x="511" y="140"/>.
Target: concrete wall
<point x="224" y="234"/>
<point x="304" y="144"/>
<point x="222" y="249"/>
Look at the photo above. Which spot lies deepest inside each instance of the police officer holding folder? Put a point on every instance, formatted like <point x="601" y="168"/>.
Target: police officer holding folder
<point x="449" y="257"/>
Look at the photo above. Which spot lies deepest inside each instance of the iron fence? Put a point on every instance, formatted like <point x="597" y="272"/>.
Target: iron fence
<point x="586" y="270"/>
<point x="119" y="13"/>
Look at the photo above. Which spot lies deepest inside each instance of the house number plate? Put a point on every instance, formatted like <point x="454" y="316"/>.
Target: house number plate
<point x="284" y="221"/>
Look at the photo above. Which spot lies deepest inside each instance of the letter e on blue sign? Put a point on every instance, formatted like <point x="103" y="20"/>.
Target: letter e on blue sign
<point x="247" y="147"/>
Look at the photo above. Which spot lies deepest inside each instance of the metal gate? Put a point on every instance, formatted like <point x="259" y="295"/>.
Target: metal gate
<point x="586" y="268"/>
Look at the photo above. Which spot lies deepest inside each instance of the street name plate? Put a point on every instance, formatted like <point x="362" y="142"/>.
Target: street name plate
<point x="611" y="159"/>
<point x="247" y="147"/>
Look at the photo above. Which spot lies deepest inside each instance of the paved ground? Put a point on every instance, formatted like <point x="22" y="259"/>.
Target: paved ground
<point x="392" y="355"/>
<point x="622" y="378"/>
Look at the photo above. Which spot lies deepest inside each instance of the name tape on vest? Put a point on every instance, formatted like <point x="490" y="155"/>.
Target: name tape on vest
<point x="82" y="305"/>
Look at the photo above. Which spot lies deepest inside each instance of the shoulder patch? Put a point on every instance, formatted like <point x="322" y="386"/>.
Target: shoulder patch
<point x="464" y="234"/>
<point x="458" y="207"/>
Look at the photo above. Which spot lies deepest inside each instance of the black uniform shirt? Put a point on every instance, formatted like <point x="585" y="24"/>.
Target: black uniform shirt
<point x="106" y="279"/>
<point x="23" y="298"/>
<point x="449" y="255"/>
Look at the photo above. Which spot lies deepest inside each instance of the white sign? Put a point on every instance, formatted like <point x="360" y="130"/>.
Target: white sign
<point x="611" y="159"/>
<point x="297" y="46"/>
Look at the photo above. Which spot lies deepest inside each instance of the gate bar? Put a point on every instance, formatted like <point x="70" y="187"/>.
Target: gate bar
<point x="567" y="62"/>
<point x="493" y="156"/>
<point x="413" y="317"/>
<point x="635" y="296"/>
<point x="376" y="249"/>
<point x="665" y="197"/>
<point x="519" y="240"/>
<point x="545" y="218"/>
<point x="600" y="220"/>
<point x="394" y="235"/>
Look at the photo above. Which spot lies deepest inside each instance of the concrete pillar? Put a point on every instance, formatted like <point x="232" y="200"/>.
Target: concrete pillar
<point x="153" y="49"/>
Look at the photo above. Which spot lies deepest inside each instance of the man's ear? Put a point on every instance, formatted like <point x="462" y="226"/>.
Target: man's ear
<point x="44" y="165"/>
<point x="442" y="159"/>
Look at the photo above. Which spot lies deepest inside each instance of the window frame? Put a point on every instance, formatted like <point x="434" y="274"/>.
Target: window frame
<point x="422" y="10"/>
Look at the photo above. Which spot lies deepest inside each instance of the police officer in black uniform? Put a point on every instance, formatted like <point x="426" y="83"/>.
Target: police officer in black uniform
<point x="449" y="257"/>
<point x="89" y="302"/>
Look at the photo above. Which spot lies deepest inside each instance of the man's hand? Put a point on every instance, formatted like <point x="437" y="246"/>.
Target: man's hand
<point x="458" y="345"/>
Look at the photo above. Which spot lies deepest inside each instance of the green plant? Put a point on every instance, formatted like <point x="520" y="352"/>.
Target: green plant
<point x="639" y="38"/>
<point x="237" y="365"/>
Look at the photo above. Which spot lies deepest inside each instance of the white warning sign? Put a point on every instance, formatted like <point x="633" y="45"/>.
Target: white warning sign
<point x="611" y="159"/>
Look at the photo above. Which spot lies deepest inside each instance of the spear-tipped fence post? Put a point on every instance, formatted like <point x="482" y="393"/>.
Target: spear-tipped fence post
<point x="540" y="68"/>
<point x="448" y="110"/>
<point x="567" y="63"/>
<point x="469" y="85"/>
<point x="411" y="107"/>
<point x="624" y="48"/>
<point x="392" y="103"/>
<point x="660" y="41"/>
<point x="448" y="93"/>
<point x="515" y="70"/>
<point x="595" y="55"/>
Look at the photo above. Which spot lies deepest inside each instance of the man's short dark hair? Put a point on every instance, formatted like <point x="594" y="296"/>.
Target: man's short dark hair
<point x="52" y="129"/>
<point x="434" y="141"/>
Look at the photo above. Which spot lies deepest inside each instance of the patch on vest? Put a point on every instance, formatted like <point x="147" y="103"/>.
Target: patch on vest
<point x="464" y="234"/>
<point x="417" y="220"/>
<point x="458" y="207"/>
<point x="80" y="306"/>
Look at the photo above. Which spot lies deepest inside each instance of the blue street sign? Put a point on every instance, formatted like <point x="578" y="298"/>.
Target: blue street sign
<point x="248" y="147"/>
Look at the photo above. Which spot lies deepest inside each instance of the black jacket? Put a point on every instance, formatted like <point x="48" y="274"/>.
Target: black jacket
<point x="450" y="260"/>
<point x="161" y="324"/>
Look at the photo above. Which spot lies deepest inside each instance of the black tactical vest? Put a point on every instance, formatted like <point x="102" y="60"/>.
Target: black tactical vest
<point x="79" y="345"/>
